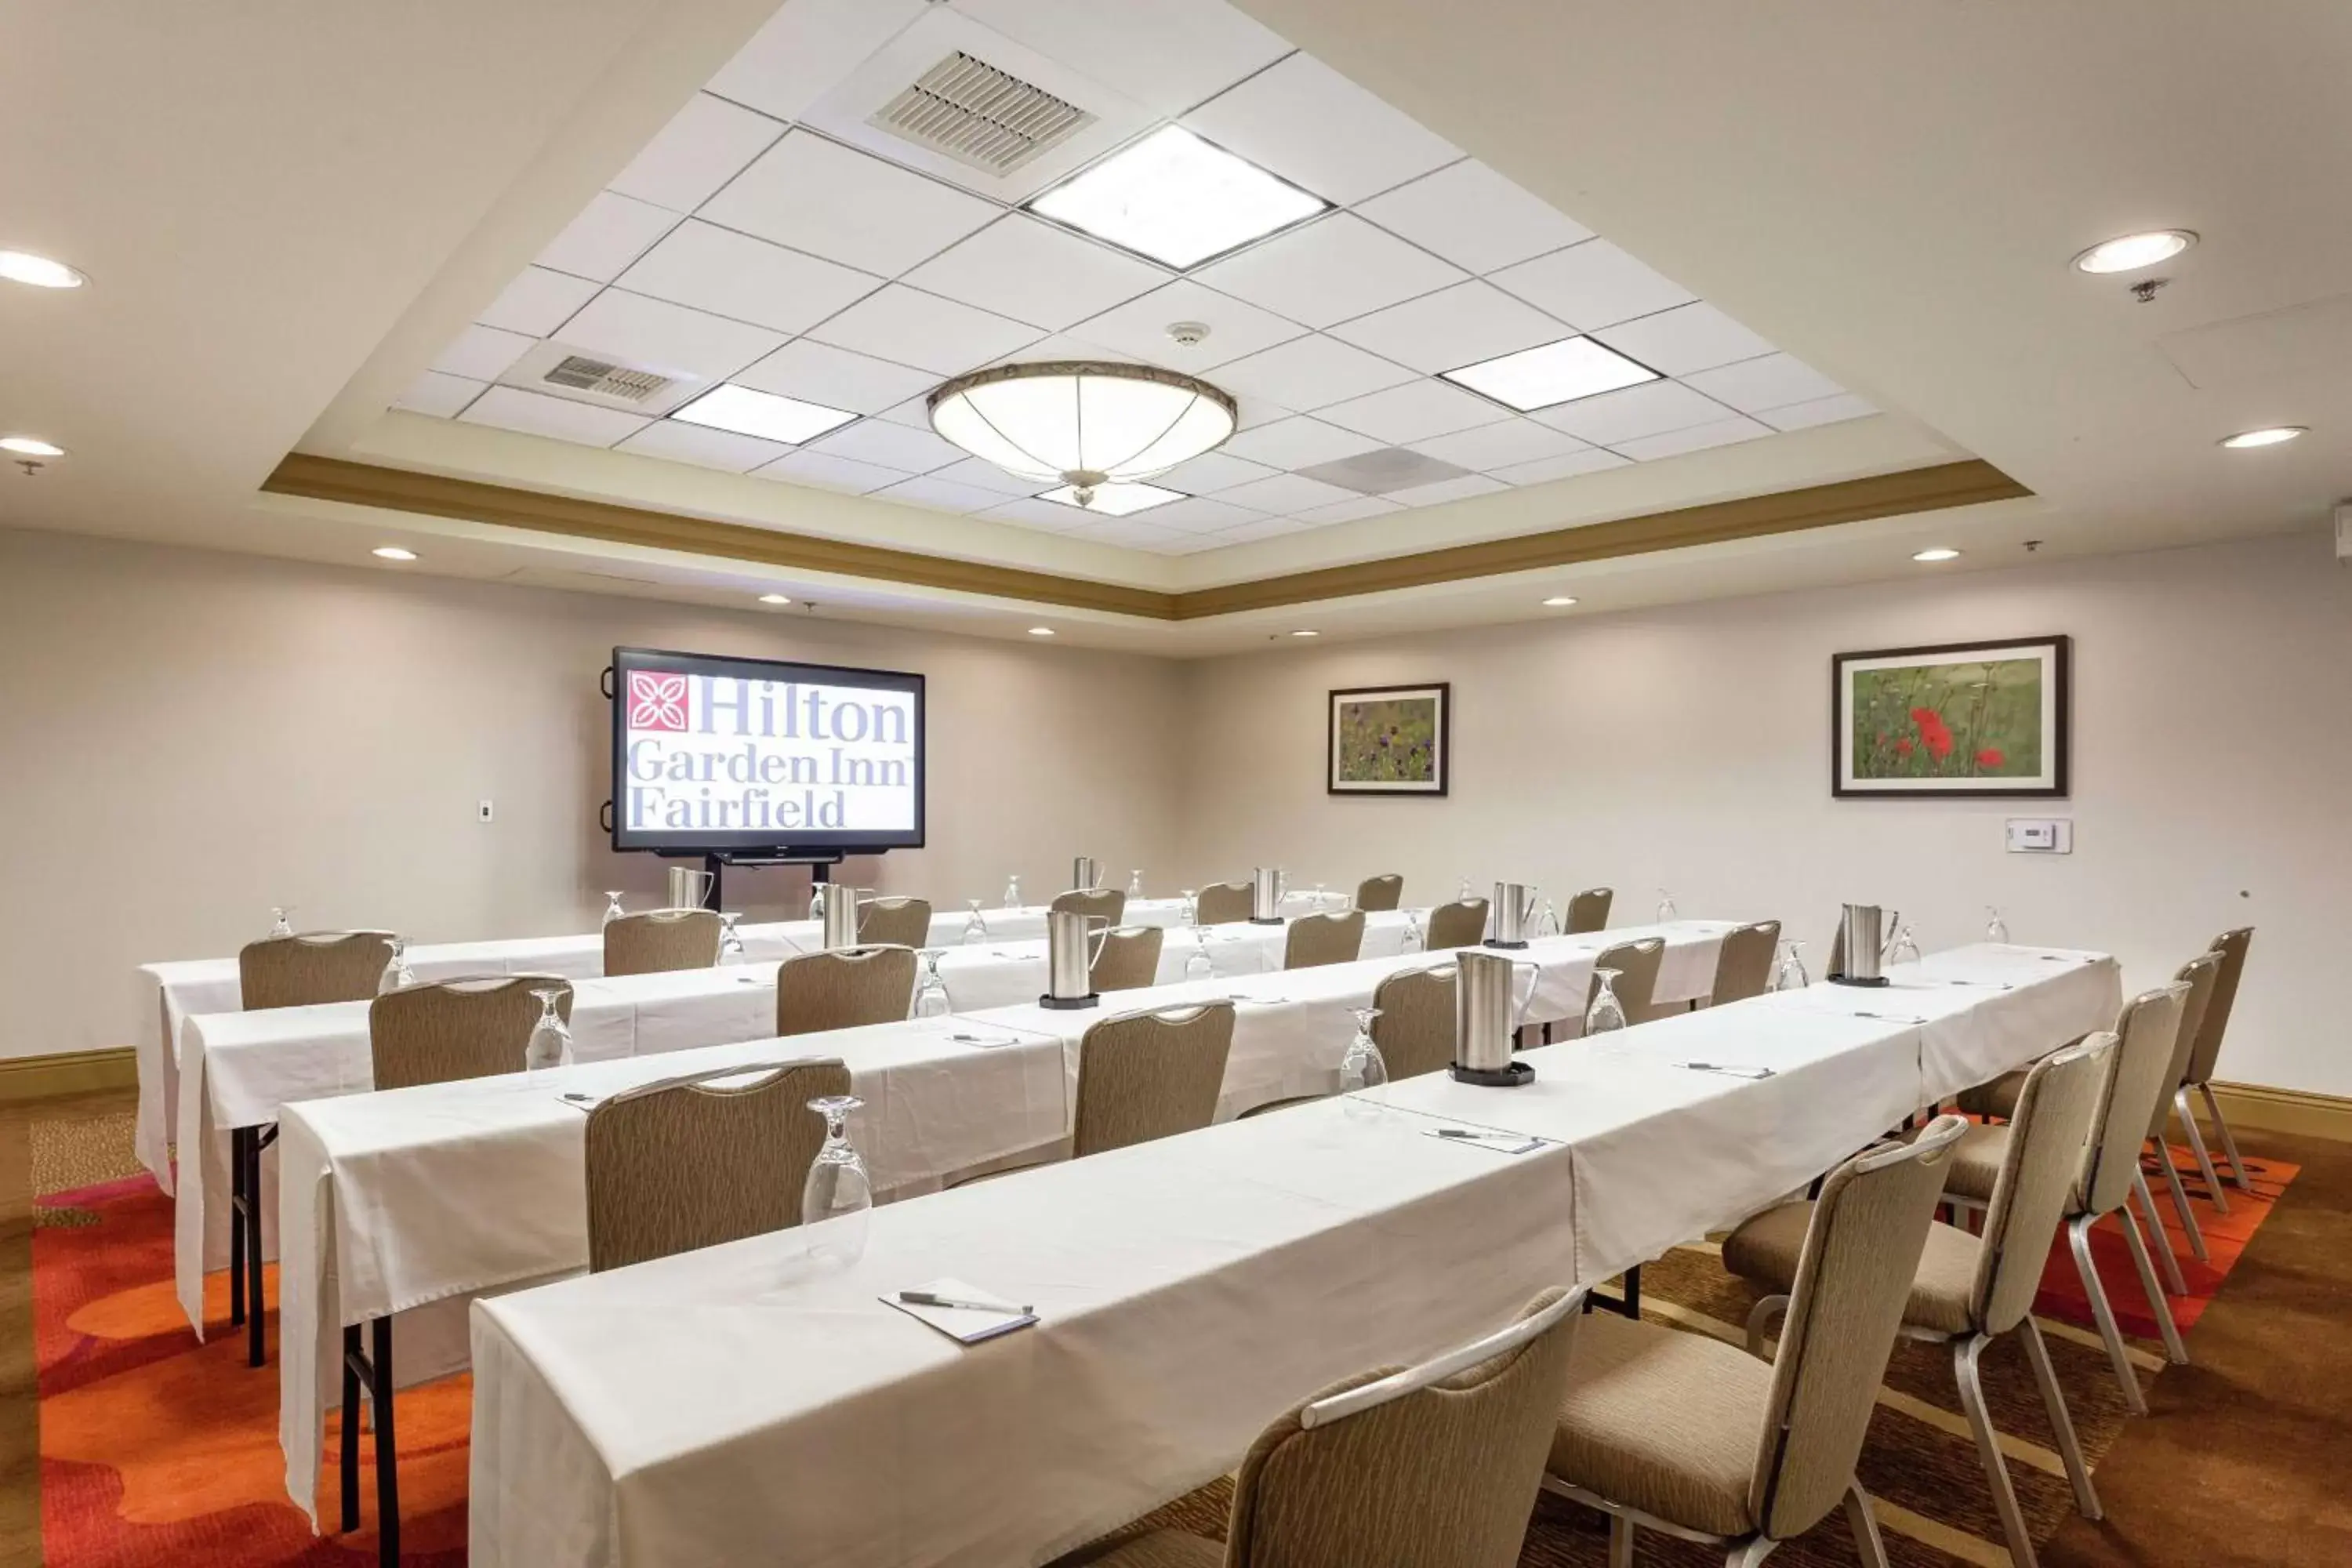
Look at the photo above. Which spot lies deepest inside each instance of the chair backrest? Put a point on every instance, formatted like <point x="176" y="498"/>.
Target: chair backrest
<point x="687" y="1163"/>
<point x="1128" y="958"/>
<point x="2201" y="974"/>
<point x="313" y="967"/>
<point x="894" y="923"/>
<point x="1143" y="1075"/>
<point x="2145" y="1031"/>
<point x="842" y="988"/>
<point x="1316" y="940"/>
<point x="1744" y="965"/>
<point x="472" y="1026"/>
<point x="1435" y="1465"/>
<point x="1222" y="903"/>
<point x="2231" y="945"/>
<point x="1106" y="904"/>
<point x="1589" y="911"/>
<point x="1415" y="1028"/>
<point x="1462" y="923"/>
<point x="2042" y="1163"/>
<point x="654" y="942"/>
<point x="1636" y="964"/>
<point x="1384" y="891"/>
<point x="1854" y="1277"/>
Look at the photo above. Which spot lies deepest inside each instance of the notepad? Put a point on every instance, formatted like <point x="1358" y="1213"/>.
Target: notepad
<point x="964" y="1325"/>
<point x="1499" y="1143"/>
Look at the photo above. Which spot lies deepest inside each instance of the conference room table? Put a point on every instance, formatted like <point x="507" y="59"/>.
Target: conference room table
<point x="748" y="1403"/>
<point x="407" y="1202"/>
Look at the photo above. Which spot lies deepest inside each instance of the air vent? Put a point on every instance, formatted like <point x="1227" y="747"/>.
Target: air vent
<point x="606" y="379"/>
<point x="1387" y="470"/>
<point x="976" y="114"/>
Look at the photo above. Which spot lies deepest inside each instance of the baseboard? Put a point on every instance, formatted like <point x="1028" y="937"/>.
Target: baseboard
<point x="2294" y="1110"/>
<point x="67" y="1072"/>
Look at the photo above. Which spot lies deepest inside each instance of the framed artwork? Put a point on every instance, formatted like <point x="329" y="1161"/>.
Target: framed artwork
<point x="1959" y="719"/>
<point x="1390" y="740"/>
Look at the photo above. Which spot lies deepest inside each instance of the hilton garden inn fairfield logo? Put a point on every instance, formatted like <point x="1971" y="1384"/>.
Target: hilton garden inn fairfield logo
<point x="716" y="753"/>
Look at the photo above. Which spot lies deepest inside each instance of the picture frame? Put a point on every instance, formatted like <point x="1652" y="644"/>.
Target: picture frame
<point x="1988" y="720"/>
<point x="1391" y="741"/>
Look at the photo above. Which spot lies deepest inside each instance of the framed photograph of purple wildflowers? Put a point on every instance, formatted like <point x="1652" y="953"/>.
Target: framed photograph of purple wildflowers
<point x="1391" y="739"/>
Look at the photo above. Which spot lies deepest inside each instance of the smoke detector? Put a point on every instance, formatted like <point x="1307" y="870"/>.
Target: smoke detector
<point x="1188" y="334"/>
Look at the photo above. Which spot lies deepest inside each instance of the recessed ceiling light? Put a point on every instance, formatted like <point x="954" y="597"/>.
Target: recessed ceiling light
<point x="1559" y="602"/>
<point x="1554" y="373"/>
<point x="1041" y="631"/>
<point x="393" y="553"/>
<point x="1306" y="633"/>
<point x="762" y="413"/>
<point x="1116" y="499"/>
<point x="775" y="599"/>
<point x="24" y="267"/>
<point x="30" y="447"/>
<point x="1939" y="553"/>
<point x="2269" y="436"/>
<point x="1176" y="199"/>
<point x="2130" y="252"/>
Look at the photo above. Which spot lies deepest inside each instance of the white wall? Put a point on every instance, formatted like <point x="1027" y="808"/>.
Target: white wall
<point x="192" y="737"/>
<point x="1689" y="747"/>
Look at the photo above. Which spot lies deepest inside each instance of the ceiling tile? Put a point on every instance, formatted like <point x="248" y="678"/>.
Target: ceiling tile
<point x="805" y="49"/>
<point x="438" y="395"/>
<point x="1500" y="444"/>
<point x="910" y="327"/>
<point x="1285" y="493"/>
<point x="1650" y="409"/>
<point x="1309" y="372"/>
<point x="908" y="450"/>
<point x="1298" y="442"/>
<point x="1454" y="327"/>
<point x="1687" y="338"/>
<point x="1141" y="327"/>
<point x="1543" y="470"/>
<point x="664" y="336"/>
<point x="1201" y="514"/>
<point x="987" y="475"/>
<point x="1256" y="410"/>
<point x="821" y="197"/>
<point x="730" y="274"/>
<point x="1820" y="411"/>
<point x="810" y="466"/>
<point x="538" y="302"/>
<point x="1774" y="380"/>
<point x="1353" y="511"/>
<point x="1332" y="269"/>
<point x="701" y="446"/>
<point x="1474" y="217"/>
<point x="1696" y="438"/>
<point x="705" y="145"/>
<point x="819" y="373"/>
<point x="482" y="353"/>
<point x="1133" y="533"/>
<point x="1061" y="345"/>
<point x="1444" y="491"/>
<point x="1052" y="517"/>
<point x="1210" y="472"/>
<point x="915" y="412"/>
<point x="509" y="408"/>
<point x="1194" y="47"/>
<point x="611" y="232"/>
<point x="1592" y="285"/>
<point x="1028" y="269"/>
<point x="1315" y="128"/>
<point x="1413" y="412"/>
<point x="940" y="495"/>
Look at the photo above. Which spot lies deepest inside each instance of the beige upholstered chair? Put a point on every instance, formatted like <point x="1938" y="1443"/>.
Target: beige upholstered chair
<point x="1969" y="1289"/>
<point x="1415" y="1028"/>
<point x="1143" y="1075"/>
<point x="844" y="988"/>
<point x="894" y="923"/>
<point x="1433" y="1465"/>
<point x="656" y="941"/>
<point x="474" y="1026"/>
<point x="1589" y="911"/>
<point x="1128" y="958"/>
<point x="1221" y="904"/>
<point x="1462" y="923"/>
<point x="314" y="967"/>
<point x="1636" y="964"/>
<point x="2201" y="974"/>
<point x="2231" y="945"/>
<point x="1744" y="966"/>
<point x="695" y="1162"/>
<point x="1384" y="891"/>
<point x="1314" y="941"/>
<point x="1678" y="1432"/>
<point x="1106" y="904"/>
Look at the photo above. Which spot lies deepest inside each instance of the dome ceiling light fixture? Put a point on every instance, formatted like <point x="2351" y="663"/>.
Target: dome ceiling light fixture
<point x="1082" y="423"/>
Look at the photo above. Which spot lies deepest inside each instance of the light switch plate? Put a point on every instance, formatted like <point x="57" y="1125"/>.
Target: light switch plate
<point x="2040" y="835"/>
<point x="482" y="812"/>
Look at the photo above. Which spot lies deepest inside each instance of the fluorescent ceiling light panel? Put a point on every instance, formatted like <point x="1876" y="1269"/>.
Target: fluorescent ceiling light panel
<point x="762" y="414"/>
<point x="1176" y="199"/>
<point x="1552" y="374"/>
<point x="1116" y="499"/>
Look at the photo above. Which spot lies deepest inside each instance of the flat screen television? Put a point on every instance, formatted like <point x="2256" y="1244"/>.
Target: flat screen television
<point x="760" y="757"/>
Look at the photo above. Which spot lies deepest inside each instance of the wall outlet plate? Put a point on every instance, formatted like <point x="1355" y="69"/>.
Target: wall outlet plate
<point x="2040" y="835"/>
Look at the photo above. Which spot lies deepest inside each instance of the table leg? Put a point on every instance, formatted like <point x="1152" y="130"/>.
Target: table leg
<point x="355" y="1358"/>
<point x="387" y="1453"/>
<point x="237" y="1138"/>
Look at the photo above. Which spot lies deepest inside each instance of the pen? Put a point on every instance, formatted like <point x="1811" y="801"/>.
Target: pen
<point x="933" y="1299"/>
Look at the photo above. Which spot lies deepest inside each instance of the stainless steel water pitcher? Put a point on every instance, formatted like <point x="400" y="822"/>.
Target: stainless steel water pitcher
<point x="1859" y="937"/>
<point x="688" y="888"/>
<point x="840" y="916"/>
<point x="1486" y="1020"/>
<point x="1070" y="959"/>
<point x="1086" y="874"/>
<point x="1266" y="895"/>
<point x="1514" y="906"/>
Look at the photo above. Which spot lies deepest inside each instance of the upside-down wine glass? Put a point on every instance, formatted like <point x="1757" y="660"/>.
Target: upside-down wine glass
<point x="280" y="925"/>
<point x="837" y="1200"/>
<point x="731" y="940"/>
<point x="1465" y="896"/>
<point x="931" y="996"/>
<point x="975" y="929"/>
<point x="1013" y="892"/>
<point x="1197" y="965"/>
<point x="1190" y="914"/>
<point x="1363" y="1072"/>
<point x="613" y="910"/>
<point x="1606" y="1012"/>
<point x="396" y="974"/>
<point x="1667" y="908"/>
<point x="816" y="900"/>
<point x="1996" y="929"/>
<point x="1906" y="949"/>
<point x="551" y="1039"/>
<point x="1548" y="919"/>
<point x="1412" y="941"/>
<point x="1135" y="883"/>
<point x="1790" y="974"/>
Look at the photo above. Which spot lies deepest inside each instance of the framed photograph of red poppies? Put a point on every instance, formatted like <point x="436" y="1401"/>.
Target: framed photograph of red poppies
<point x="1390" y="740"/>
<point x="1959" y="719"/>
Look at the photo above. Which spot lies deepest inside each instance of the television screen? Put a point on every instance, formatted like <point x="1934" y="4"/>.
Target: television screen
<point x="752" y="754"/>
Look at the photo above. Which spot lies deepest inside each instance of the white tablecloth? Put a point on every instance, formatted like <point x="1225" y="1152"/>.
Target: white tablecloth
<point x="733" y="1405"/>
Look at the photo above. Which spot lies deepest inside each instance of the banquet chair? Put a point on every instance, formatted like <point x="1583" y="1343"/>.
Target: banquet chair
<point x="655" y="941"/>
<point x="894" y="923"/>
<point x="1428" y="1464"/>
<point x="1314" y="941"/>
<point x="1221" y="904"/>
<point x="1382" y="892"/>
<point x="2231" y="945"/>
<point x="1970" y="1289"/>
<point x="1589" y="911"/>
<point x="1677" y="1432"/>
<point x="1743" y="967"/>
<point x="1106" y="904"/>
<point x="1462" y="923"/>
<point x="2201" y="973"/>
<point x="468" y="1026"/>
<point x="1128" y="958"/>
<point x="1636" y="964"/>
<point x="844" y="988"/>
<point x="1415" y="1028"/>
